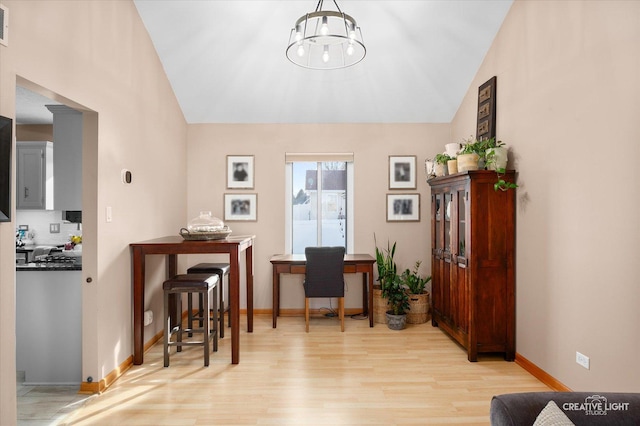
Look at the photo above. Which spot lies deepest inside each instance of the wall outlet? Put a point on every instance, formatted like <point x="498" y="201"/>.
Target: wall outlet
<point x="54" y="228"/>
<point x="582" y="359"/>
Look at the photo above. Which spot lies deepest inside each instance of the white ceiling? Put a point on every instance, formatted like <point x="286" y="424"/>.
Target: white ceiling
<point x="226" y="60"/>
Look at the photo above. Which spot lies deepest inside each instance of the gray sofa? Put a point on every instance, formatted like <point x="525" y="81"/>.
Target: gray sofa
<point x="582" y="408"/>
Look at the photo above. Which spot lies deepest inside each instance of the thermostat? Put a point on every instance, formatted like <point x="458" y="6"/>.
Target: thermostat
<point x="126" y="176"/>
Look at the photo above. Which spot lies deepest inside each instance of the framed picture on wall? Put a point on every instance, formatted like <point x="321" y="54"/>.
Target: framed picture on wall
<point x="240" y="171"/>
<point x="486" y="125"/>
<point x="403" y="207"/>
<point x="240" y="207"/>
<point x="402" y="172"/>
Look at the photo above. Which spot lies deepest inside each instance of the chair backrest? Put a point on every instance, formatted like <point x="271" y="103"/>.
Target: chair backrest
<point x="324" y="275"/>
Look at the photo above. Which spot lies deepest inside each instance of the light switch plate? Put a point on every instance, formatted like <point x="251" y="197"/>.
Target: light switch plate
<point x="54" y="228"/>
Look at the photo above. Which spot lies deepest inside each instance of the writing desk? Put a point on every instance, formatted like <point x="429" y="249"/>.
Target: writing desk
<point x="296" y="264"/>
<point x="172" y="246"/>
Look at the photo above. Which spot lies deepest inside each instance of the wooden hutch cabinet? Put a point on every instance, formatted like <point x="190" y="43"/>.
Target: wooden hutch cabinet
<point x="473" y="261"/>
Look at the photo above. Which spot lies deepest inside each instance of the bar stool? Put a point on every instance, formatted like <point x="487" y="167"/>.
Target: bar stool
<point x="204" y="285"/>
<point x="222" y="270"/>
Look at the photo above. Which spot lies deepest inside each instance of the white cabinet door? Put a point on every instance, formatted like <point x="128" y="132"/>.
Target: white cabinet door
<point x="34" y="184"/>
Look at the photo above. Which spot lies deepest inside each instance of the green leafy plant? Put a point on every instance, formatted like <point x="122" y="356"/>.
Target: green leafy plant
<point x="476" y="147"/>
<point x="501" y="184"/>
<point x="387" y="268"/>
<point x="396" y="294"/>
<point x="392" y="288"/>
<point x="490" y="143"/>
<point x="413" y="281"/>
<point x="442" y="158"/>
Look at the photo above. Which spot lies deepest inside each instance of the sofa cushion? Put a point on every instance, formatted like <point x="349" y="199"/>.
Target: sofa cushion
<point x="551" y="415"/>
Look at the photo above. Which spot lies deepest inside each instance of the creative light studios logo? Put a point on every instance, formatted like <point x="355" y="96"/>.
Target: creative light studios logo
<point x="595" y="405"/>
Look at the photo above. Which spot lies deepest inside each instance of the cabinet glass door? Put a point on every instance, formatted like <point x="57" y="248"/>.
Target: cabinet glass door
<point x="437" y="246"/>
<point x="447" y="222"/>
<point x="462" y="218"/>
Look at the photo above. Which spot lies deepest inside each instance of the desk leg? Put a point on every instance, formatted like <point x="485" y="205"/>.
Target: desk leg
<point x="234" y="295"/>
<point x="138" y="305"/>
<point x="370" y="279"/>
<point x="365" y="292"/>
<point x="275" y="305"/>
<point x="249" y="261"/>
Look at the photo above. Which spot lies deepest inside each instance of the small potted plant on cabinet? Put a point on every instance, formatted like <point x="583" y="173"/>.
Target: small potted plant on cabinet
<point x="470" y="155"/>
<point x="495" y="154"/>
<point x="441" y="161"/>
<point x="496" y="159"/>
<point x="418" y="297"/>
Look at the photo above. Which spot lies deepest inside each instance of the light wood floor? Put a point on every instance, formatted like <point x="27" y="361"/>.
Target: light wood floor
<point x="364" y="376"/>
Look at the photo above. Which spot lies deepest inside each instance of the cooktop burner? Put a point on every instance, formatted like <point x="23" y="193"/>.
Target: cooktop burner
<point x="58" y="259"/>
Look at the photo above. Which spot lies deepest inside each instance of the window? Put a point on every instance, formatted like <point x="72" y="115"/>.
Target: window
<point x="319" y="208"/>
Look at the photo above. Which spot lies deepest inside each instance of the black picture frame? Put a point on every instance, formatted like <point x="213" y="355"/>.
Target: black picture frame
<point x="6" y="139"/>
<point x="486" y="125"/>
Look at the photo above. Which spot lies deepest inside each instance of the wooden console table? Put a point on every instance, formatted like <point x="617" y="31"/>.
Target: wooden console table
<point x="172" y="246"/>
<point x="296" y="264"/>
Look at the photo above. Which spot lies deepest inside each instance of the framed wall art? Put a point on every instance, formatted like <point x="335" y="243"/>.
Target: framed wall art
<point x="402" y="172"/>
<point x="241" y="207"/>
<point x="486" y="128"/>
<point x="403" y="207"/>
<point x="240" y="172"/>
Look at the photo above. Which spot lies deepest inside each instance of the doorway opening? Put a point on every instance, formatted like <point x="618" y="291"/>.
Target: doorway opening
<point x="31" y="99"/>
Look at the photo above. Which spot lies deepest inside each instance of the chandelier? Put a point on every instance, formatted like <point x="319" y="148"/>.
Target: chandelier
<point x="326" y="40"/>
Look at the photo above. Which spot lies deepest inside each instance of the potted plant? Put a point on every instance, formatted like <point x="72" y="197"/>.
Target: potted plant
<point x="452" y="166"/>
<point x="496" y="159"/>
<point x="495" y="154"/>
<point x="395" y="292"/>
<point x="441" y="161"/>
<point x="387" y="270"/>
<point x="470" y="155"/>
<point x="392" y="289"/>
<point x="418" y="297"/>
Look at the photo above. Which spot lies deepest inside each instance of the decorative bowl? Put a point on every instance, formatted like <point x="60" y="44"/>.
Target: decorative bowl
<point x="205" y="235"/>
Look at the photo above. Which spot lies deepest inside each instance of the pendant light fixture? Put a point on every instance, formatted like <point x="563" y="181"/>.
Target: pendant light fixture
<point x="326" y="40"/>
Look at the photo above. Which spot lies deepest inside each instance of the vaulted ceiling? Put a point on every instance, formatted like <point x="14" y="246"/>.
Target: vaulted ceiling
<point x="226" y="60"/>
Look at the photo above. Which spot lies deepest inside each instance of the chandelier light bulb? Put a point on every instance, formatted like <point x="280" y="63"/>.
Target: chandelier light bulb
<point x="350" y="49"/>
<point x="324" y="29"/>
<point x="325" y="54"/>
<point x="298" y="33"/>
<point x="300" y="50"/>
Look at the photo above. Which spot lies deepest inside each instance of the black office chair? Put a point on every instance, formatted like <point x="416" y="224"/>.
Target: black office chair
<point x="324" y="277"/>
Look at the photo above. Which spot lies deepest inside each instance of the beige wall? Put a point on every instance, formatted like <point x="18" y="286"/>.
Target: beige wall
<point x="34" y="132"/>
<point x="567" y="83"/>
<point x="209" y="144"/>
<point x="98" y="55"/>
<point x="568" y="90"/>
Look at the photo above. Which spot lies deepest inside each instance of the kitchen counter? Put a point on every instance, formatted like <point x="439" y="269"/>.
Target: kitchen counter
<point x="46" y="266"/>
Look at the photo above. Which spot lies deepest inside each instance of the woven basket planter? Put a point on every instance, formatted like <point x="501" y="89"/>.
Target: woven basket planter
<point x="380" y="306"/>
<point x="419" y="312"/>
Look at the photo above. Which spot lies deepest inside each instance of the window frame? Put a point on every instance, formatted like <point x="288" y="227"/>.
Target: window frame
<point x="320" y="158"/>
